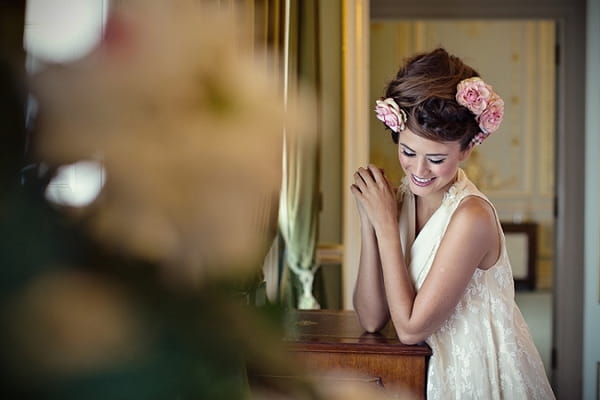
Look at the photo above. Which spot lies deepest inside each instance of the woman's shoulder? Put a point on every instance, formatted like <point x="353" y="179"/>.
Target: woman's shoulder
<point x="475" y="218"/>
<point x="474" y="225"/>
<point x="474" y="209"/>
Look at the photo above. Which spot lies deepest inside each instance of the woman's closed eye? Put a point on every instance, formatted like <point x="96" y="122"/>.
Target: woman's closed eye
<point x="433" y="160"/>
<point x="436" y="160"/>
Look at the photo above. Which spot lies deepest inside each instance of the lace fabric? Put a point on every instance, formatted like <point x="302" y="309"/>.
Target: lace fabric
<point x="484" y="349"/>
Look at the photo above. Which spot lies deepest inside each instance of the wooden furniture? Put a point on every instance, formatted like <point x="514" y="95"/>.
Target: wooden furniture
<point x="326" y="340"/>
<point x="523" y="255"/>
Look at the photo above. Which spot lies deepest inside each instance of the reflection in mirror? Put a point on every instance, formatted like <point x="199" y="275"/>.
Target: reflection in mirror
<point x="516" y="168"/>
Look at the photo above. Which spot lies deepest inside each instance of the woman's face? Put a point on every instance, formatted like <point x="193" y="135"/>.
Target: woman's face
<point x="430" y="166"/>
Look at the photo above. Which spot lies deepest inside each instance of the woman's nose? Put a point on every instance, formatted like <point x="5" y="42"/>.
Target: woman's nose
<point x="422" y="168"/>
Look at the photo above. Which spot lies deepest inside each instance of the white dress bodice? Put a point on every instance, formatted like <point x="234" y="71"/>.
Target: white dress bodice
<point x="484" y="349"/>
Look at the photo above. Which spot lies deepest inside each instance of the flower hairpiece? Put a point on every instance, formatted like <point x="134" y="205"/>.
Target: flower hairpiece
<point x="484" y="103"/>
<point x="390" y="113"/>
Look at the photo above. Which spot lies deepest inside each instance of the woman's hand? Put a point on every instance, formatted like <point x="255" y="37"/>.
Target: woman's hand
<point x="354" y="188"/>
<point x="375" y="197"/>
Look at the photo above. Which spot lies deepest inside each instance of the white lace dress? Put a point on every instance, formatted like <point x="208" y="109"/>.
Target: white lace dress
<point x="484" y="349"/>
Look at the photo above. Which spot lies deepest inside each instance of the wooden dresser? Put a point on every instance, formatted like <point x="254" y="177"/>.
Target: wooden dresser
<point x="327" y="340"/>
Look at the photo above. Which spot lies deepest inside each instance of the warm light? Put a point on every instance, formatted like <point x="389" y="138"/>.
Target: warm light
<point x="76" y="185"/>
<point x="63" y="30"/>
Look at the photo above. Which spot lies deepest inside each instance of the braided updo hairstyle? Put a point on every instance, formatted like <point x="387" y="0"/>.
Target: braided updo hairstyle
<point x="425" y="88"/>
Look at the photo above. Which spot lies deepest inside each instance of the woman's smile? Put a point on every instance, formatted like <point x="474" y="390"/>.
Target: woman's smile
<point x="422" y="182"/>
<point x="431" y="166"/>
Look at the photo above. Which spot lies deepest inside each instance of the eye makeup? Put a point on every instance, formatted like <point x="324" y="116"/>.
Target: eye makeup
<point x="432" y="158"/>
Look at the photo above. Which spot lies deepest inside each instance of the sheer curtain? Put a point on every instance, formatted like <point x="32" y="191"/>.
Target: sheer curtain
<point x="289" y="29"/>
<point x="299" y="202"/>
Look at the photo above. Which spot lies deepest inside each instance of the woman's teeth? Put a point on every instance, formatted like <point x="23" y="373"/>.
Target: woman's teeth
<point x="421" y="181"/>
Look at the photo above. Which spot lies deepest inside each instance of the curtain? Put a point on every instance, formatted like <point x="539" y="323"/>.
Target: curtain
<point x="299" y="202"/>
<point x="289" y="30"/>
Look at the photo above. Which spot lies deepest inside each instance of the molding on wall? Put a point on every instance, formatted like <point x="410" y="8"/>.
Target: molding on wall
<point x="355" y="64"/>
<point x="591" y="362"/>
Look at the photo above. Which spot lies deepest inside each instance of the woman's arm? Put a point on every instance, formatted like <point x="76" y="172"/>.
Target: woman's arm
<point x="471" y="240"/>
<point x="369" y="299"/>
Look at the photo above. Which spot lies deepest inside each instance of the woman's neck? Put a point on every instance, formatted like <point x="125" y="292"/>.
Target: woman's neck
<point x="427" y="205"/>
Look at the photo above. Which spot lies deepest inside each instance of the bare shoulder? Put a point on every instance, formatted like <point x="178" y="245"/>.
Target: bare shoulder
<point x="475" y="218"/>
<point x="474" y="209"/>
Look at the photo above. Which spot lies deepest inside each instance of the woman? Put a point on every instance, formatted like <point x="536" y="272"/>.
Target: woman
<point x="433" y="257"/>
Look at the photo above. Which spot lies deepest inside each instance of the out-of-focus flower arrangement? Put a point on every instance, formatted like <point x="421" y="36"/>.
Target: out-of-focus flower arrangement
<point x="145" y="292"/>
<point x="189" y="130"/>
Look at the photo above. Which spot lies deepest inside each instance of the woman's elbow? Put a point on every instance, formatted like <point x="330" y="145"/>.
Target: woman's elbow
<point x="371" y="324"/>
<point x="372" y="327"/>
<point x="410" y="339"/>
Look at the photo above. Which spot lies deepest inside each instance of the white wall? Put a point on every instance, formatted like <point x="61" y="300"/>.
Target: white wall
<point x="591" y="311"/>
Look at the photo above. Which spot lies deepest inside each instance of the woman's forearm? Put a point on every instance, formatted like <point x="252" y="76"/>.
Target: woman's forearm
<point x="369" y="299"/>
<point x="399" y="289"/>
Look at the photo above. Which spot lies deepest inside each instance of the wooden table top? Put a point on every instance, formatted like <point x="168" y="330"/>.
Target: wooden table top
<point x="340" y="331"/>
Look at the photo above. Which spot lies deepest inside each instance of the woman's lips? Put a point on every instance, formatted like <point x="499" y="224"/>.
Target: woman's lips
<point x="422" y="182"/>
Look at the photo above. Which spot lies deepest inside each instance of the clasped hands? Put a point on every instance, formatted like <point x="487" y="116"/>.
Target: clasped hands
<point x="375" y="197"/>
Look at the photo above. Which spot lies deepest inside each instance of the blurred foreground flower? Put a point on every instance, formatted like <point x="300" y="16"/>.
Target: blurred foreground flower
<point x="188" y="128"/>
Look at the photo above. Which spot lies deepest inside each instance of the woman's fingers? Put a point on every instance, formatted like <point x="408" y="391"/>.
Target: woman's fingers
<point x="377" y="173"/>
<point x="359" y="183"/>
<point x="362" y="178"/>
<point x="371" y="178"/>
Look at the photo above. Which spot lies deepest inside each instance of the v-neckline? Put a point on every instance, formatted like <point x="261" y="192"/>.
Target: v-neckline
<point x="411" y="233"/>
<point x="413" y="218"/>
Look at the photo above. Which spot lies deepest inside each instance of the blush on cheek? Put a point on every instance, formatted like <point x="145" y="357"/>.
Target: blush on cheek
<point x="446" y="169"/>
<point x="404" y="165"/>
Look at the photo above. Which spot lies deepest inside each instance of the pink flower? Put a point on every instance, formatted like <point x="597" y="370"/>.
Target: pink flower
<point x="480" y="98"/>
<point x="491" y="117"/>
<point x="391" y="114"/>
<point x="474" y="94"/>
<point x="479" y="138"/>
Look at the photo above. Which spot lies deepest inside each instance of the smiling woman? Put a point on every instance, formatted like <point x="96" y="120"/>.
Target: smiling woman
<point x="517" y="172"/>
<point x="433" y="258"/>
<point x="569" y="18"/>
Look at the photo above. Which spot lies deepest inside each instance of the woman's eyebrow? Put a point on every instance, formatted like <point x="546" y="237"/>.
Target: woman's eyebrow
<point x="428" y="155"/>
<point x="437" y="155"/>
<point x="407" y="148"/>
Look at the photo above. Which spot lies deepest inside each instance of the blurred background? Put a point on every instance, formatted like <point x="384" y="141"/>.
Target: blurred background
<point x="134" y="133"/>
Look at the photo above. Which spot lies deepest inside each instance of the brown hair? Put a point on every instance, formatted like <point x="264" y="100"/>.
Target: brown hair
<point x="425" y="87"/>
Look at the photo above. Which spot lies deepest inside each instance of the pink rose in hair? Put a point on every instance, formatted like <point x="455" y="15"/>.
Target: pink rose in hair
<point x="474" y="94"/>
<point x="390" y="114"/>
<point x="491" y="117"/>
<point x="479" y="138"/>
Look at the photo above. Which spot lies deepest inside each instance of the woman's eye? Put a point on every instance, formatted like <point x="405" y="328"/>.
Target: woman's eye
<point x="438" y="161"/>
<point x="407" y="154"/>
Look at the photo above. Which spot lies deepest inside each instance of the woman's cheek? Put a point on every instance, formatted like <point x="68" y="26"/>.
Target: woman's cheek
<point x="403" y="162"/>
<point x="446" y="169"/>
